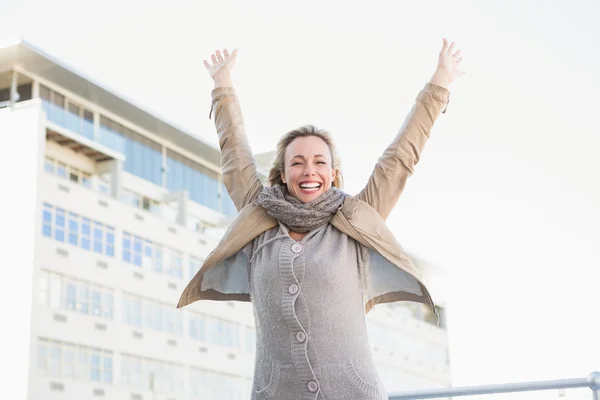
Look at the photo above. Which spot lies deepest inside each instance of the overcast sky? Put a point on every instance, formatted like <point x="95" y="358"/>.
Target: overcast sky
<point x="506" y="196"/>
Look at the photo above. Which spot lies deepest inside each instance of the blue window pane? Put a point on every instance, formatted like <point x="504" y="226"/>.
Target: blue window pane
<point x="98" y="237"/>
<point x="158" y="257"/>
<point x="95" y="367"/>
<point x="138" y="156"/>
<point x="46" y="230"/>
<point x="148" y="249"/>
<point x="60" y="217"/>
<point x="73" y="229"/>
<point x="110" y="251"/>
<point x="137" y="260"/>
<point x="47" y="215"/>
<point x="49" y="166"/>
<point x="85" y="226"/>
<point x="126" y="256"/>
<point x="136" y="308"/>
<point x="137" y="245"/>
<point x="128" y="154"/>
<point x="59" y="234"/>
<point x="126" y="241"/>
<point x="196" y="188"/>
<point x="61" y="171"/>
<point x="157" y="167"/>
<point x="211" y="193"/>
<point x="71" y="299"/>
<point x="110" y="236"/>
<point x="84" y="297"/>
<point x="107" y="369"/>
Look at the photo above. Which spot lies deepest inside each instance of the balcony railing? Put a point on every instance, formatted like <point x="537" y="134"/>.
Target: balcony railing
<point x="592" y="381"/>
<point x="77" y="124"/>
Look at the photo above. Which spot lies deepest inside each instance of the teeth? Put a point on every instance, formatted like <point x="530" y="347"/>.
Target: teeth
<point x="310" y="185"/>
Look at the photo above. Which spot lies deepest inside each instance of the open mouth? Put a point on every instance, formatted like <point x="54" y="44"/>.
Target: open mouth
<point x="310" y="187"/>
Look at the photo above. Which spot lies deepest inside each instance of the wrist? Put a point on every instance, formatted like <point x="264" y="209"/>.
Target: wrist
<point x="440" y="78"/>
<point x="223" y="81"/>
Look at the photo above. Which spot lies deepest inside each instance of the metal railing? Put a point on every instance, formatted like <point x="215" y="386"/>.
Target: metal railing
<point x="592" y="381"/>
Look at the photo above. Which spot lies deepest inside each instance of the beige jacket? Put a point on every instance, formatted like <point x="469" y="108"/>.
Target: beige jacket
<point x="391" y="276"/>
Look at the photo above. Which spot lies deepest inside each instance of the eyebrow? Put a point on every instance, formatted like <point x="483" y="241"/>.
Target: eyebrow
<point x="302" y="157"/>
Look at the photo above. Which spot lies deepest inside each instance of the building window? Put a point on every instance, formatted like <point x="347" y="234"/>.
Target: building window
<point x="67" y="114"/>
<point x="154" y="376"/>
<point x="98" y="237"/>
<point x="76" y="230"/>
<point x="85" y="233"/>
<point x="153" y="315"/>
<point x="49" y="165"/>
<point x="59" y="224"/>
<point x="250" y="339"/>
<point x="73" y="229"/>
<point x="58" y="291"/>
<point x="222" y="333"/>
<point x="60" y="360"/>
<point x="141" y="202"/>
<point x="69" y="172"/>
<point x="61" y="169"/>
<point x="176" y="267"/>
<point x="47" y="220"/>
<point x="201" y="183"/>
<point x="143" y="157"/>
<point x="152" y="256"/>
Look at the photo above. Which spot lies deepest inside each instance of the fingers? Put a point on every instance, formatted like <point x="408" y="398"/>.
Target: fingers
<point x="456" y="55"/>
<point x="444" y="45"/>
<point x="218" y="58"/>
<point x="452" y="48"/>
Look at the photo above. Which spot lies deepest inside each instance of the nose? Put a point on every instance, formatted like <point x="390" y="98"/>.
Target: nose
<point x="309" y="170"/>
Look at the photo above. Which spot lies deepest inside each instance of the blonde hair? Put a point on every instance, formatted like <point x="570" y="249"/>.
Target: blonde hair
<point x="304" y="131"/>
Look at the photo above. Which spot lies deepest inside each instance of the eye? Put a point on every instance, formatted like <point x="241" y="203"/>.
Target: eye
<point x="321" y="162"/>
<point x="296" y="163"/>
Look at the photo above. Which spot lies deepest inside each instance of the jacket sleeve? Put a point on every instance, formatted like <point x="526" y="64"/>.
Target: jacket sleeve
<point x="239" y="169"/>
<point x="398" y="161"/>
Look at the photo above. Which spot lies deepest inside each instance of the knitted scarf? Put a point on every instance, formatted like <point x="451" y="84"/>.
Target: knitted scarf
<point x="300" y="217"/>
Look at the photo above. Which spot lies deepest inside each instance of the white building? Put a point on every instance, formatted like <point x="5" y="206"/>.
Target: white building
<point x="126" y="207"/>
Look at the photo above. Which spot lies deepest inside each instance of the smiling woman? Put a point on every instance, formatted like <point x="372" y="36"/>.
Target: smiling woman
<point x="312" y="259"/>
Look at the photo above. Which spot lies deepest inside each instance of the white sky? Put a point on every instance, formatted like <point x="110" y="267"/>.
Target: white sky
<point x="506" y="196"/>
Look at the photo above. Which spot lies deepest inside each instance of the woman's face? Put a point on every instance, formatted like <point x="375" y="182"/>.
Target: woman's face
<point x="308" y="170"/>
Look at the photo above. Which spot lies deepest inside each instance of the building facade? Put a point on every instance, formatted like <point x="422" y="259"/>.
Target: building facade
<point x="126" y="208"/>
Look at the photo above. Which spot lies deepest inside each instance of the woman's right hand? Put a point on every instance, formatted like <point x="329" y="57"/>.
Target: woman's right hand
<point x="221" y="67"/>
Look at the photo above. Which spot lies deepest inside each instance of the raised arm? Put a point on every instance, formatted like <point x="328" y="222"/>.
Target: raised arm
<point x="240" y="175"/>
<point x="398" y="161"/>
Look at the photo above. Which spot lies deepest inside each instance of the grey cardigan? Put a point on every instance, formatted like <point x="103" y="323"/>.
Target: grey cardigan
<point x="308" y="300"/>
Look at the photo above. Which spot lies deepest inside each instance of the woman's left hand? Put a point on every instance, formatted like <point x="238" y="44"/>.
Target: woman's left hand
<point x="448" y="65"/>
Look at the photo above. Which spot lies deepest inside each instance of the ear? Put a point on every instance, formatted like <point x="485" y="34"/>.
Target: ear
<point x="283" y="177"/>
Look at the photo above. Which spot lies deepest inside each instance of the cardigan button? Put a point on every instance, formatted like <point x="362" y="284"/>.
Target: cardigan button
<point x="297" y="248"/>
<point x="312" y="386"/>
<point x="300" y="337"/>
<point x="293" y="288"/>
